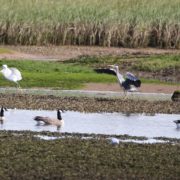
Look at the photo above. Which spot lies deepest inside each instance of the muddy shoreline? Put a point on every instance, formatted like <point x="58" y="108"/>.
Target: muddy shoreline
<point x="87" y="104"/>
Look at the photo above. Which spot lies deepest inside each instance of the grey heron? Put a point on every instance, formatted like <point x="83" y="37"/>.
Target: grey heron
<point x="129" y="83"/>
<point x="51" y="121"/>
<point x="11" y="74"/>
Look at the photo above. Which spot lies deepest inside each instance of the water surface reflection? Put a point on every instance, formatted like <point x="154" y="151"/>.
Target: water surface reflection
<point x="158" y="125"/>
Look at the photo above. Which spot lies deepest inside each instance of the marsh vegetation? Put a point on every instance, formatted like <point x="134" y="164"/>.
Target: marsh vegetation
<point x="85" y="104"/>
<point x="25" y="157"/>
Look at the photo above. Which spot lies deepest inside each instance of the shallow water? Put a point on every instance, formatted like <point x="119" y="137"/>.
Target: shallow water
<point x="158" y="125"/>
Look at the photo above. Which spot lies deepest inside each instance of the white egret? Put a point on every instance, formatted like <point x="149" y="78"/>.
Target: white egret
<point x="129" y="83"/>
<point x="51" y="121"/>
<point x="11" y="74"/>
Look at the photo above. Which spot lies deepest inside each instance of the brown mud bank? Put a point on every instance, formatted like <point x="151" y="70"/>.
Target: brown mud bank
<point x="62" y="53"/>
<point x="87" y="104"/>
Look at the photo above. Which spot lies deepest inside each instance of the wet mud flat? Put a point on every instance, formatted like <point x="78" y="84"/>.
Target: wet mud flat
<point x="25" y="157"/>
<point x="87" y="104"/>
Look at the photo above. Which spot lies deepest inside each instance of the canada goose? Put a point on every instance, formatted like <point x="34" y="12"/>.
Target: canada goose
<point x="177" y="123"/>
<point x="129" y="83"/>
<point x="51" y="121"/>
<point x="11" y="74"/>
<point x="2" y="118"/>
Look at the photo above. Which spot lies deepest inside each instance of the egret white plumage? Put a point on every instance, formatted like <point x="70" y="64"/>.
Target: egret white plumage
<point x="11" y="74"/>
<point x="129" y="83"/>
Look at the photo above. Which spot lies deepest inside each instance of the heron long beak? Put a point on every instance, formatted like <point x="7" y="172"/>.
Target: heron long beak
<point x="112" y="66"/>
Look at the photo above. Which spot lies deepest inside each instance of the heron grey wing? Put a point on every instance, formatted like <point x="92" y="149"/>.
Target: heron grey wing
<point x="131" y="76"/>
<point x="16" y="72"/>
<point x="106" y="71"/>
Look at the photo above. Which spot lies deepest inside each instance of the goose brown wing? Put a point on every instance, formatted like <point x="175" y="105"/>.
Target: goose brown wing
<point x="46" y="120"/>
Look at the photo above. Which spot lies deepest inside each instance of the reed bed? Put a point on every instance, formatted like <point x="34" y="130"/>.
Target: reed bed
<point x="120" y="23"/>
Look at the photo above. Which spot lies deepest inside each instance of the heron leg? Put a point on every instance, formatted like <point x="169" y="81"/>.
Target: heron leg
<point x="125" y="94"/>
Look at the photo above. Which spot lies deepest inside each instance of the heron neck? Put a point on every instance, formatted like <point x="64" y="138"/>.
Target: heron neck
<point x="120" y="77"/>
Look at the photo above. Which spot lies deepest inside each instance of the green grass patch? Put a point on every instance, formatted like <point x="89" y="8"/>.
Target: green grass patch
<point x="54" y="74"/>
<point x="158" y="63"/>
<point x="132" y="62"/>
<point x="156" y="81"/>
<point x="73" y="74"/>
<point x="4" y="50"/>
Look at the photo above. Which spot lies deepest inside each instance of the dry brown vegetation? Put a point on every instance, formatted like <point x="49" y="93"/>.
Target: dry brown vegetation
<point x="133" y="23"/>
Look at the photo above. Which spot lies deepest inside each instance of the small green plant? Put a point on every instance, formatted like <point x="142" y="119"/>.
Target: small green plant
<point x="4" y="50"/>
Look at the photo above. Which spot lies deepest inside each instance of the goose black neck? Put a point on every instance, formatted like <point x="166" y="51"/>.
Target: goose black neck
<point x="2" y="112"/>
<point x="59" y="115"/>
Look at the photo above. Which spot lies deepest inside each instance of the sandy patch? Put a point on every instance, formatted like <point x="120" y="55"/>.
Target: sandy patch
<point x="69" y="52"/>
<point x="146" y="88"/>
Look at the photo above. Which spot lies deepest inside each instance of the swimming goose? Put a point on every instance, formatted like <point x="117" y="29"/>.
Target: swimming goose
<point x="11" y="74"/>
<point x="51" y="121"/>
<point x="177" y="123"/>
<point x="2" y="118"/>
